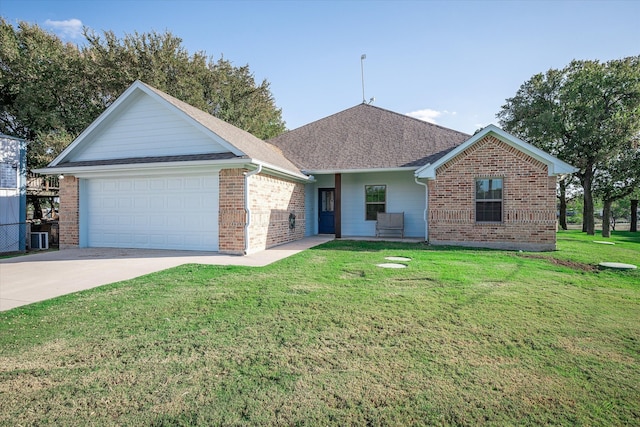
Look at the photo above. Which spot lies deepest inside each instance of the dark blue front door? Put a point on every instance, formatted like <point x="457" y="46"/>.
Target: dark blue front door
<point x="326" y="205"/>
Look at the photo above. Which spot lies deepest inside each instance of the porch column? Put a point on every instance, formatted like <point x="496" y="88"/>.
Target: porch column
<point x="338" y="206"/>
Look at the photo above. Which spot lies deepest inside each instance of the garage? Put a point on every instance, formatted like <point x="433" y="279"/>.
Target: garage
<point x="151" y="212"/>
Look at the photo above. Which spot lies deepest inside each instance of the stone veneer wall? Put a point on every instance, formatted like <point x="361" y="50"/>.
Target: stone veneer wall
<point x="69" y="212"/>
<point x="529" y="200"/>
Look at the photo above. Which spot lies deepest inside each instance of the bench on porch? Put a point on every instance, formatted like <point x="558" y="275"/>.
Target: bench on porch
<point x="390" y="222"/>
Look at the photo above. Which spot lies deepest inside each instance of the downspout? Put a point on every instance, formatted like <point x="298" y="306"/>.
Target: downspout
<point x="246" y="205"/>
<point x="426" y="209"/>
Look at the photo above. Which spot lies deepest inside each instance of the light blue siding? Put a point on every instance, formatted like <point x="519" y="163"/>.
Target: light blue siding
<point x="310" y="210"/>
<point x="403" y="195"/>
<point x="146" y="128"/>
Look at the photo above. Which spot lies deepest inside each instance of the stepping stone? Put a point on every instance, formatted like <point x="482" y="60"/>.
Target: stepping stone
<point x="618" y="265"/>
<point x="391" y="265"/>
<point x="603" y="243"/>
<point x="397" y="258"/>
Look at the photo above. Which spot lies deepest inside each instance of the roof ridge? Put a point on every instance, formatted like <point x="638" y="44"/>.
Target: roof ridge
<point x="249" y="144"/>
<point x="386" y="110"/>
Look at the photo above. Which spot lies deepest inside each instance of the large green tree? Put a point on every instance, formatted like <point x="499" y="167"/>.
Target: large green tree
<point x="45" y="97"/>
<point x="159" y="59"/>
<point x="50" y="91"/>
<point x="584" y="113"/>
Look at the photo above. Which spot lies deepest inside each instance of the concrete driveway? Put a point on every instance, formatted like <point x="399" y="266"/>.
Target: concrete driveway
<point x="41" y="276"/>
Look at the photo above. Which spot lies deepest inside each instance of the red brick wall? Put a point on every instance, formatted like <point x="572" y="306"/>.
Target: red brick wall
<point x="231" y="219"/>
<point x="69" y="213"/>
<point x="529" y="199"/>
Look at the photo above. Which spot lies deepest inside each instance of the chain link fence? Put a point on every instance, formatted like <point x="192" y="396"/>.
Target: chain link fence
<point x="10" y="237"/>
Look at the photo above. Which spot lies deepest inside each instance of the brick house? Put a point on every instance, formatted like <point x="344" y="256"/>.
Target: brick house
<point x="154" y="172"/>
<point x="486" y="190"/>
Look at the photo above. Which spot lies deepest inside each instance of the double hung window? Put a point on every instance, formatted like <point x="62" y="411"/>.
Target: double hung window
<point x="489" y="200"/>
<point x="375" y="197"/>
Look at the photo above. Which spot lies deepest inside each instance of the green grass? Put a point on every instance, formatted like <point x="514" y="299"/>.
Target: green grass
<point x="325" y="337"/>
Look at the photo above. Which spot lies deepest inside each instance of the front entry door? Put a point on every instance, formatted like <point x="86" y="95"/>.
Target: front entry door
<point x="326" y="202"/>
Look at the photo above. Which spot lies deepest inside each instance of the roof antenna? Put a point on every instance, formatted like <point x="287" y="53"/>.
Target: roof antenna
<point x="362" y="58"/>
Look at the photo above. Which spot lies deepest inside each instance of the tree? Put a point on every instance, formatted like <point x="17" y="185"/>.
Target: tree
<point x="583" y="114"/>
<point x="51" y="91"/>
<point x="566" y="192"/>
<point x="616" y="178"/>
<point x="219" y="88"/>
<point x="42" y="89"/>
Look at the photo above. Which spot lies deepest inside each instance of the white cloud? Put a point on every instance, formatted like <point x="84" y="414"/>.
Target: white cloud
<point x="429" y="115"/>
<point x="70" y="28"/>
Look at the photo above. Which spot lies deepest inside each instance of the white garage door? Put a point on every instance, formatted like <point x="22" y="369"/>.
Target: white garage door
<point x="164" y="212"/>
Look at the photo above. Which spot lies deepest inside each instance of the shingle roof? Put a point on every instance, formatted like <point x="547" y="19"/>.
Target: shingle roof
<point x="366" y="136"/>
<point x="252" y="146"/>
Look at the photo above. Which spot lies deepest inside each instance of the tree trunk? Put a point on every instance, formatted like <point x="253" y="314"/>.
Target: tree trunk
<point x="37" y="208"/>
<point x="634" y="215"/>
<point x="563" y="204"/>
<point x="588" y="225"/>
<point x="606" y="218"/>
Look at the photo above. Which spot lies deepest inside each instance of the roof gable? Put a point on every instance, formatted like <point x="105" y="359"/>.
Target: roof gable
<point x="145" y="122"/>
<point x="555" y="166"/>
<point x="366" y="137"/>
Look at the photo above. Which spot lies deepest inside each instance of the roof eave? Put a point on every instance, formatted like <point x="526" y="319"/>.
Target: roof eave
<point x="178" y="167"/>
<point x="364" y="170"/>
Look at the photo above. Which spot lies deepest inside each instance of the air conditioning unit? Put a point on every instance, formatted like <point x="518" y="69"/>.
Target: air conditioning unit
<point x="39" y="240"/>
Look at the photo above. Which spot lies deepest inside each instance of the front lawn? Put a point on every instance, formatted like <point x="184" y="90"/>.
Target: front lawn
<point x="326" y="337"/>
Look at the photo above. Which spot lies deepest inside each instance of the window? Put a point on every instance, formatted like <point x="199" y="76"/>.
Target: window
<point x="8" y="175"/>
<point x="327" y="200"/>
<point x="375" y="200"/>
<point x="489" y="200"/>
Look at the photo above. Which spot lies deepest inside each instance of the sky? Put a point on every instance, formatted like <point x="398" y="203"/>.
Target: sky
<point x="453" y="63"/>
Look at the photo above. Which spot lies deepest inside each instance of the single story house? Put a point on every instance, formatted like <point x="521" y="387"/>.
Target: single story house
<point x="13" y="196"/>
<point x="155" y="172"/>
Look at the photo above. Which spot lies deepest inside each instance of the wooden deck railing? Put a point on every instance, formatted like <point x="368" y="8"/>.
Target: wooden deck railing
<point x="42" y="184"/>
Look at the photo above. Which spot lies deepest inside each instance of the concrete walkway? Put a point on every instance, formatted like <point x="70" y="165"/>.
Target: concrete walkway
<point x="41" y="276"/>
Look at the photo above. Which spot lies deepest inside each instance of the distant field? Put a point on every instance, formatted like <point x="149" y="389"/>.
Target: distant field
<point x="326" y="337"/>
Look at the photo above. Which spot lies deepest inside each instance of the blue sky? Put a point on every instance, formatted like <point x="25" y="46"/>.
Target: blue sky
<point x="450" y="62"/>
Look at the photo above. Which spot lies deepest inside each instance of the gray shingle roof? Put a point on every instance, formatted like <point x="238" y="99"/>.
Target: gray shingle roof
<point x="366" y="136"/>
<point x="253" y="147"/>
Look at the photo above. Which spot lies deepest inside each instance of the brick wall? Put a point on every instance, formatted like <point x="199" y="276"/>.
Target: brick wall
<point x="529" y="199"/>
<point x="231" y="218"/>
<point x="68" y="210"/>
<point x="272" y="201"/>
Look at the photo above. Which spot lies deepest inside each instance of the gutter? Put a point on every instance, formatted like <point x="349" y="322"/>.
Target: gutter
<point x="426" y="208"/>
<point x="247" y="210"/>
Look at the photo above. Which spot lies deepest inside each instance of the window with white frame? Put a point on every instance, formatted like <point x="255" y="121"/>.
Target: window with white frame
<point x="375" y="200"/>
<point x="489" y="200"/>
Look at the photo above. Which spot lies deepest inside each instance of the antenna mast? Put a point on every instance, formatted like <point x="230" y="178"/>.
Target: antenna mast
<point x="362" y="58"/>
